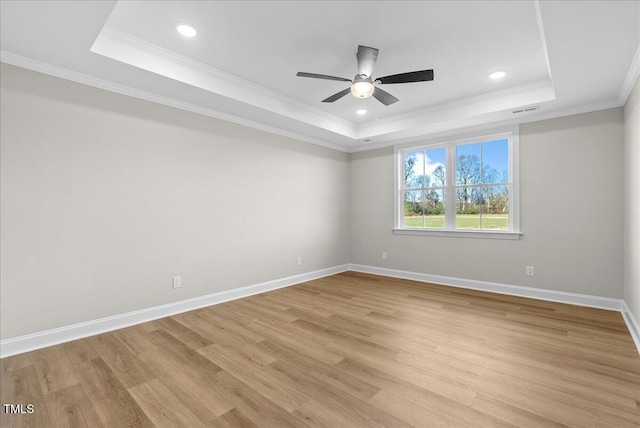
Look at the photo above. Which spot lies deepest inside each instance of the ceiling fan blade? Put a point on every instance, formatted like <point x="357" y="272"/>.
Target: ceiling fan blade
<point x="337" y="96"/>
<point x="384" y="97"/>
<point x="366" y="59"/>
<point x="412" y="76"/>
<point x="322" y="76"/>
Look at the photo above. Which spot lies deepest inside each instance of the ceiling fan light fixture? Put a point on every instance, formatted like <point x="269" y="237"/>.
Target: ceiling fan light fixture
<point x="362" y="89"/>
<point x="186" y="30"/>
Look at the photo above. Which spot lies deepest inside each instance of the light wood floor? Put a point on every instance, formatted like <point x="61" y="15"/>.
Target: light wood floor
<point x="349" y="350"/>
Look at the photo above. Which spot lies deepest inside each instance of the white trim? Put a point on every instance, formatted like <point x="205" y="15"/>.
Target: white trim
<point x="450" y="142"/>
<point x="630" y="81"/>
<point x="55" y="336"/>
<point x="535" y="116"/>
<point x="632" y="324"/>
<point x="539" y="115"/>
<point x="85" y="79"/>
<point x="577" y="299"/>
<point x="457" y="233"/>
<point x="464" y="107"/>
<point x="494" y="287"/>
<point x="543" y="38"/>
<point x="129" y="49"/>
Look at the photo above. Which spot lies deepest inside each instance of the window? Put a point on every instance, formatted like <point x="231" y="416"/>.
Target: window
<point x="462" y="187"/>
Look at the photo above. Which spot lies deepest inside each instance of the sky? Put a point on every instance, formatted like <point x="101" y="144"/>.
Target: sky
<point x="495" y="154"/>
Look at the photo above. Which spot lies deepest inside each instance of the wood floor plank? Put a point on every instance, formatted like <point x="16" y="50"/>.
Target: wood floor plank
<point x="351" y="409"/>
<point x="121" y="361"/>
<point x="321" y="371"/>
<point x="134" y="339"/>
<point x="233" y="419"/>
<point x="202" y="396"/>
<point x="187" y="358"/>
<point x="186" y="335"/>
<point x="446" y="411"/>
<point x="512" y="414"/>
<point x="316" y="414"/>
<point x="291" y="335"/>
<point x="111" y="400"/>
<point x="348" y="350"/>
<point x="588" y="400"/>
<point x="254" y="406"/>
<point x="251" y="374"/>
<point x="71" y="407"/>
<point x="16" y="362"/>
<point x="424" y="413"/>
<point x="163" y="407"/>
<point x="55" y="371"/>
<point x="22" y="387"/>
<point x="79" y="351"/>
<point x="418" y="377"/>
<point x="486" y="381"/>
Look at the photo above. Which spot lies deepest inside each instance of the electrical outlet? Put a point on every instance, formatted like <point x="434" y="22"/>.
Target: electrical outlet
<point x="384" y="255"/>
<point x="298" y="261"/>
<point x="529" y="271"/>
<point x="177" y="281"/>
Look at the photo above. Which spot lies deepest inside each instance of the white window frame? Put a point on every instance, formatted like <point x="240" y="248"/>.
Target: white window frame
<point x="450" y="142"/>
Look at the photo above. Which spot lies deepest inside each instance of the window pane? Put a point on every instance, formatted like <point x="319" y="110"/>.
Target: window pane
<point x="434" y="209"/>
<point x="468" y="208"/>
<point x="413" y="169"/>
<point x="495" y="210"/>
<point x="435" y="162"/>
<point x="413" y="208"/>
<point x="495" y="161"/>
<point x="468" y="164"/>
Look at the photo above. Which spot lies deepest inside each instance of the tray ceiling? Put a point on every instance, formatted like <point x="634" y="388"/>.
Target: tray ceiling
<point x="562" y="56"/>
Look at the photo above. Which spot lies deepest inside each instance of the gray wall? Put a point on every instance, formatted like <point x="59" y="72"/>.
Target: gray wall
<point x="632" y="201"/>
<point x="571" y="196"/>
<point x="106" y="197"/>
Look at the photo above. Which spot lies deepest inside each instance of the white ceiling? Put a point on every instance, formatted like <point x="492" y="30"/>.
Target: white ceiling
<point x="564" y="56"/>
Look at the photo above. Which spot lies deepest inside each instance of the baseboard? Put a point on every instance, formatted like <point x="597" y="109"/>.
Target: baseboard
<point x="632" y="324"/>
<point x="516" y="290"/>
<point x="30" y="342"/>
<point x="494" y="287"/>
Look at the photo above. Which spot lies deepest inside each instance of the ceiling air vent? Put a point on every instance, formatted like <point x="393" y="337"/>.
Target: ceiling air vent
<point x="526" y="109"/>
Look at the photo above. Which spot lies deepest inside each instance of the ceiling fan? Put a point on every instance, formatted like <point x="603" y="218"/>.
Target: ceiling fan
<point x="363" y="84"/>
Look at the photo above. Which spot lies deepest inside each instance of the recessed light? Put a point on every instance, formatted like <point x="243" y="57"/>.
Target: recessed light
<point x="497" y="75"/>
<point x="361" y="112"/>
<point x="186" y="30"/>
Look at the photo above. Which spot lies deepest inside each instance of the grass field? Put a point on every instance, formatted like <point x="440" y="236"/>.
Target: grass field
<point x="463" y="221"/>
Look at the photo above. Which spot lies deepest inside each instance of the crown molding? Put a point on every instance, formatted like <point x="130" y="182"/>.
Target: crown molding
<point x="543" y="38"/>
<point x="631" y="79"/>
<point x="461" y="127"/>
<point x="85" y="79"/>
<point x="41" y="67"/>
<point x="506" y="99"/>
<point x="123" y="47"/>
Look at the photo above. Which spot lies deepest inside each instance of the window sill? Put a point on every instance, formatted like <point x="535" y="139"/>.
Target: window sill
<point x="460" y="233"/>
